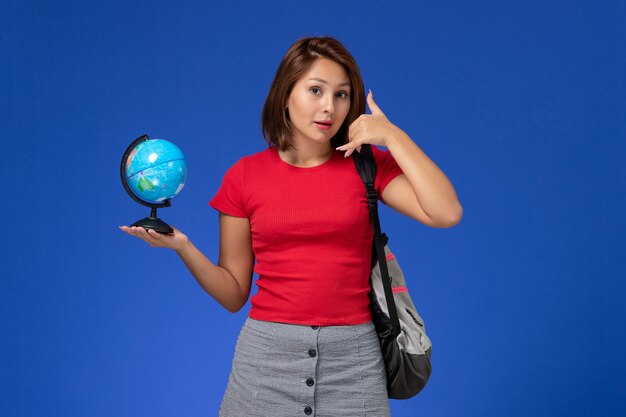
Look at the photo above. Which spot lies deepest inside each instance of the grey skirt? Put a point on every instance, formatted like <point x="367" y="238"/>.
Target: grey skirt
<point x="282" y="370"/>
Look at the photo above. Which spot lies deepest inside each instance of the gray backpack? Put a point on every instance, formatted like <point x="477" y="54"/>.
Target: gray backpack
<point x="405" y="347"/>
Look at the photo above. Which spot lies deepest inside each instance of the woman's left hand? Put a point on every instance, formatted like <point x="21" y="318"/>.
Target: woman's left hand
<point x="373" y="129"/>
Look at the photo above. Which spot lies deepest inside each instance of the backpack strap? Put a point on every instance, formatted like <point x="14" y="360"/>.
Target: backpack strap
<point x="366" y="167"/>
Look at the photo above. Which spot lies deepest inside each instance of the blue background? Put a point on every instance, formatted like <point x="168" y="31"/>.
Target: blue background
<point x="521" y="104"/>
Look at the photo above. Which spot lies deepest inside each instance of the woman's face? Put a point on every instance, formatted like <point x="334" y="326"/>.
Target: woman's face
<point x="319" y="102"/>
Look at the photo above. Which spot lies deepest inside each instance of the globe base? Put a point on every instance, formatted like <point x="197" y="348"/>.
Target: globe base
<point x="155" y="224"/>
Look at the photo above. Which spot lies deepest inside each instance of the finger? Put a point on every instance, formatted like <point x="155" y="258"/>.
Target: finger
<point x="372" y="104"/>
<point x="133" y="231"/>
<point x="355" y="145"/>
<point x="351" y="145"/>
<point x="351" y="151"/>
<point x="127" y="230"/>
<point x="142" y="233"/>
<point x="150" y="234"/>
<point x="154" y="238"/>
<point x="157" y="236"/>
<point x="130" y="230"/>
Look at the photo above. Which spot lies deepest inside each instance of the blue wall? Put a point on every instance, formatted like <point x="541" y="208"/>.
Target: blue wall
<point x="521" y="104"/>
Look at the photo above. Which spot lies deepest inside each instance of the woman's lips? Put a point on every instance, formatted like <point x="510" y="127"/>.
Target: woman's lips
<point x="323" y="125"/>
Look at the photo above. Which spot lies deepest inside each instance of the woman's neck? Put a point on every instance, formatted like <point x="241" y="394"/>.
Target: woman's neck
<point x="307" y="156"/>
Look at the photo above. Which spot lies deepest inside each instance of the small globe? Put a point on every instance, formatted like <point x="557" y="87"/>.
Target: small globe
<point x="156" y="170"/>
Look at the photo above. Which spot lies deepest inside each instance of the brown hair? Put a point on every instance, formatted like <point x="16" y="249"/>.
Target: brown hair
<point x="299" y="58"/>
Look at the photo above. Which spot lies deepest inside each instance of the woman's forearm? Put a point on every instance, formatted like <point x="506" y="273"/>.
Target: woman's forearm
<point x="218" y="282"/>
<point x="433" y="190"/>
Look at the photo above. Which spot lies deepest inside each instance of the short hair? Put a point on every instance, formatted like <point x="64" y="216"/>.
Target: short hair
<point x="275" y="122"/>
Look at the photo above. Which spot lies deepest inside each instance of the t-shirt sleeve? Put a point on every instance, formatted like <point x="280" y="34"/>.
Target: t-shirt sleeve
<point x="229" y="198"/>
<point x="386" y="169"/>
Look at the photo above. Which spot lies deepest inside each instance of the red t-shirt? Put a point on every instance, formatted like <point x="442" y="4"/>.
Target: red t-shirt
<point x="311" y="235"/>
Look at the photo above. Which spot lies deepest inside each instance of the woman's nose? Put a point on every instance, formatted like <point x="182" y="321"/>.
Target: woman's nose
<point x="329" y="105"/>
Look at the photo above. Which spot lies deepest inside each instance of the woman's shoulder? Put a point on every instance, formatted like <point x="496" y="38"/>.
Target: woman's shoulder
<point x="257" y="156"/>
<point x="254" y="158"/>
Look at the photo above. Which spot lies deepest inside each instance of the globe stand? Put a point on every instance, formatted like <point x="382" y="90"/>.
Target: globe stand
<point x="154" y="223"/>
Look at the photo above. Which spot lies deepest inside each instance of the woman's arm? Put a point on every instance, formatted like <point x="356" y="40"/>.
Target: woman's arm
<point x="230" y="280"/>
<point x="422" y="192"/>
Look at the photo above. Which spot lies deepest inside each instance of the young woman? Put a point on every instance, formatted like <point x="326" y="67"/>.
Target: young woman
<point x="296" y="214"/>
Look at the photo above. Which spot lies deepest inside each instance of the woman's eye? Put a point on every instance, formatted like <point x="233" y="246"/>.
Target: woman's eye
<point x="315" y="90"/>
<point x="342" y="95"/>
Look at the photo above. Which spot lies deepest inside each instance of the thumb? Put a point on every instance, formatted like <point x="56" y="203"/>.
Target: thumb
<point x="372" y="104"/>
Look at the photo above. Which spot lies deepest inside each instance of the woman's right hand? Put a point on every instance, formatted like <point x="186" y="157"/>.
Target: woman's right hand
<point x="176" y="240"/>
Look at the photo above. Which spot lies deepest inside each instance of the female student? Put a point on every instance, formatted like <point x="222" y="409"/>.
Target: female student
<point x="296" y="214"/>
